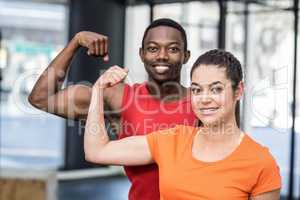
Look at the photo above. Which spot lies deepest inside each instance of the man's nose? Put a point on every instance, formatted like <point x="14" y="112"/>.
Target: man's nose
<point x="163" y="54"/>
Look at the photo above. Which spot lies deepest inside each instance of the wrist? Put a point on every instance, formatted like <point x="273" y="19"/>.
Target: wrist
<point x="97" y="88"/>
<point x="75" y="42"/>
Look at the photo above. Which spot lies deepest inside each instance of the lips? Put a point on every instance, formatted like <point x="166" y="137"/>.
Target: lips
<point x="161" y="68"/>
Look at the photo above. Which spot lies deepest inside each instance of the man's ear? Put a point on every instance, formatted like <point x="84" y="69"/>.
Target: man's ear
<point x="187" y="55"/>
<point x="141" y="52"/>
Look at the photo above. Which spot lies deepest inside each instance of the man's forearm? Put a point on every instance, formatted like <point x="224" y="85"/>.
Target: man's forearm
<point x="52" y="78"/>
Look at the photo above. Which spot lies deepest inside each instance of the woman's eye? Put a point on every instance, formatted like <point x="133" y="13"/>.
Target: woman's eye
<point x="216" y="90"/>
<point x="196" y="91"/>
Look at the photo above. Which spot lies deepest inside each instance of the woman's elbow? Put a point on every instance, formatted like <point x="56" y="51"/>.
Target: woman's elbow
<point x="93" y="157"/>
<point x="90" y="158"/>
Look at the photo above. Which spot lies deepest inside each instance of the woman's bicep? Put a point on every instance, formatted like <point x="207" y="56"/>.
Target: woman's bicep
<point x="128" y="151"/>
<point x="272" y="195"/>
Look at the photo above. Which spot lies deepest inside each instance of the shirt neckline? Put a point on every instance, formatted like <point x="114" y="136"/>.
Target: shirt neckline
<point x="228" y="157"/>
<point x="183" y="99"/>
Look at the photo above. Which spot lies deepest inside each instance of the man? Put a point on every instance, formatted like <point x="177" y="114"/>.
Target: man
<point x="160" y="103"/>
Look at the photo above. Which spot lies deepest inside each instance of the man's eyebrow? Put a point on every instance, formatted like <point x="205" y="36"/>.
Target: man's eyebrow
<point x="212" y="84"/>
<point x="169" y="43"/>
<point x="178" y="43"/>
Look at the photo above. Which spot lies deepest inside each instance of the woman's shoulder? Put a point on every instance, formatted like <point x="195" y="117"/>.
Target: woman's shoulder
<point x="177" y="131"/>
<point x="257" y="150"/>
<point x="176" y="135"/>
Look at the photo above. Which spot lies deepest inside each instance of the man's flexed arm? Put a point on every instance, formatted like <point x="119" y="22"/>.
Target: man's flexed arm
<point x="73" y="101"/>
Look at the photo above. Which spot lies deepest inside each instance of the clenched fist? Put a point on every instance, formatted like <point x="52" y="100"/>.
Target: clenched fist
<point x="111" y="77"/>
<point x="96" y="44"/>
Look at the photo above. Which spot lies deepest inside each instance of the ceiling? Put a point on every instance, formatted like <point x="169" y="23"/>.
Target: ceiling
<point x="271" y="3"/>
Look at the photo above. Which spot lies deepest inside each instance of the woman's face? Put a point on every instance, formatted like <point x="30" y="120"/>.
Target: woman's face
<point x="213" y="99"/>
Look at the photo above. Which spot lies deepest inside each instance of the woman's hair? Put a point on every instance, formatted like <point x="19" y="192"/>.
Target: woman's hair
<point x="224" y="59"/>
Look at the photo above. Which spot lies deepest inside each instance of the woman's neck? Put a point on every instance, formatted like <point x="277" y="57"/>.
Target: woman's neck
<point x="219" y="133"/>
<point x="213" y="144"/>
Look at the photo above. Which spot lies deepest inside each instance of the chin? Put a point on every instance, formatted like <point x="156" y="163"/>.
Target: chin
<point x="163" y="78"/>
<point x="210" y="120"/>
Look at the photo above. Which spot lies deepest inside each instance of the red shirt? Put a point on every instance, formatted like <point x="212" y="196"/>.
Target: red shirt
<point x="142" y="114"/>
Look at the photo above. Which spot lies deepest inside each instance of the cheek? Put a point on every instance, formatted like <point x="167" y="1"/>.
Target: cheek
<point x="177" y="58"/>
<point x="147" y="59"/>
<point x="228" y="101"/>
<point x="195" y="100"/>
<point x="225" y="98"/>
<point x="195" y="103"/>
<point x="149" y="56"/>
<point x="222" y="99"/>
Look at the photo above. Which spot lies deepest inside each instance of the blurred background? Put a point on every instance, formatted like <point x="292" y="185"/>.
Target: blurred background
<point x="263" y="34"/>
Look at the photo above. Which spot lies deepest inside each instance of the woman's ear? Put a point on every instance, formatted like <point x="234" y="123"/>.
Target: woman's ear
<point x="239" y="90"/>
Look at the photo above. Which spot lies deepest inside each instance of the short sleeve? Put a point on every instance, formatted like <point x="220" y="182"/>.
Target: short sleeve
<point x="269" y="178"/>
<point x="157" y="142"/>
<point x="152" y="143"/>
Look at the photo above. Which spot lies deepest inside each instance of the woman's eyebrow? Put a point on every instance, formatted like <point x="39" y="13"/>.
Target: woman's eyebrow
<point x="215" y="83"/>
<point x="195" y="84"/>
<point x="211" y="84"/>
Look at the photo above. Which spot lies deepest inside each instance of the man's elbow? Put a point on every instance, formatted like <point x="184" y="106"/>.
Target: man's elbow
<point x="36" y="101"/>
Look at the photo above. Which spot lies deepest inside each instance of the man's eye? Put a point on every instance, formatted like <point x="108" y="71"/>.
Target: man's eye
<point x="174" y="49"/>
<point x="152" y="49"/>
<point x="196" y="91"/>
<point x="216" y="90"/>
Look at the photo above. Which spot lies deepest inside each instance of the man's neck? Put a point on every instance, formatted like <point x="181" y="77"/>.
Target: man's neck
<point x="167" y="91"/>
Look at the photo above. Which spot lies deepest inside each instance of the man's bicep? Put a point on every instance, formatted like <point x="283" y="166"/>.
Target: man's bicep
<point x="71" y="102"/>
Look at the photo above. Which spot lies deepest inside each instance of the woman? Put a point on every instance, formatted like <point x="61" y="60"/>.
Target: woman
<point x="215" y="161"/>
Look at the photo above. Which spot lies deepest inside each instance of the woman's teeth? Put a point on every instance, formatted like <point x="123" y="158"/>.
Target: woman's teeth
<point x="208" y="110"/>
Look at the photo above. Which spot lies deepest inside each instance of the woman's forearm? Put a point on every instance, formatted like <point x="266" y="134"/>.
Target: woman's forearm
<point x="95" y="136"/>
<point x="97" y="146"/>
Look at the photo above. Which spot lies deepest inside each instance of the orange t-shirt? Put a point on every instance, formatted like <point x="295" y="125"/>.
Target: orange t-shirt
<point x="248" y="171"/>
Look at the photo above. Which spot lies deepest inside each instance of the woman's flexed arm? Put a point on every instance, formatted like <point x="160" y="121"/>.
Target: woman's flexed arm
<point x="97" y="146"/>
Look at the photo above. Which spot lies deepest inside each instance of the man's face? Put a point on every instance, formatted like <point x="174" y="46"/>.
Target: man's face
<point x="163" y="54"/>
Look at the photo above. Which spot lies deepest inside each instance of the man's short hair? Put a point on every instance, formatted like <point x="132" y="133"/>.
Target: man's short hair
<point x="170" y="23"/>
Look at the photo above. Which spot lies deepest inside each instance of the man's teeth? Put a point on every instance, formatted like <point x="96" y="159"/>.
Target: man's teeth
<point x="161" y="69"/>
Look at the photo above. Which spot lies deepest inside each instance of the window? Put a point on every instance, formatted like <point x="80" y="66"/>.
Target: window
<point x="32" y="34"/>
